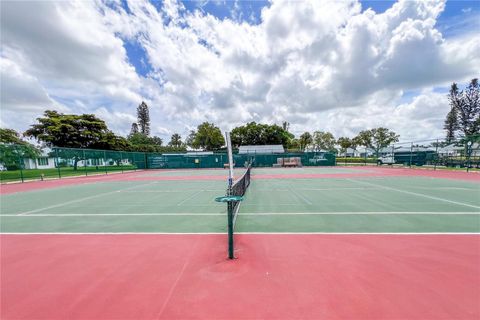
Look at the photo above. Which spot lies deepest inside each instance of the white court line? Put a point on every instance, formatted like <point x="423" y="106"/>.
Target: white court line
<point x="110" y="214"/>
<point x="354" y="212"/>
<point x="299" y="195"/>
<point x="179" y="276"/>
<point x="447" y="188"/>
<point x="246" y="233"/>
<point x="316" y="189"/>
<point x="244" y="213"/>
<point x="82" y="199"/>
<point x="171" y="191"/>
<point x="416" y="194"/>
<point x="188" y="198"/>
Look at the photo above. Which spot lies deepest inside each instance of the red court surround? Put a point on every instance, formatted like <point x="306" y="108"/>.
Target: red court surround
<point x="275" y="277"/>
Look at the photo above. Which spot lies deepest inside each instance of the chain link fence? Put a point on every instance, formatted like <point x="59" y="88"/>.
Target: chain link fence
<point x="16" y="164"/>
<point x="461" y="154"/>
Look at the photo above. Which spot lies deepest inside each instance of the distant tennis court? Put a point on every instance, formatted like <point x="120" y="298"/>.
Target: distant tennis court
<point x="330" y="242"/>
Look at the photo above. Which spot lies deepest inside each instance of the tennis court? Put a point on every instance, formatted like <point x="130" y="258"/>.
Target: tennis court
<point x="330" y="242"/>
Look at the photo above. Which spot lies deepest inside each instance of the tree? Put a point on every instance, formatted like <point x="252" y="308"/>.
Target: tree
<point x="134" y="128"/>
<point x="208" y="137"/>
<point x="469" y="109"/>
<point x="191" y="138"/>
<point x="139" y="139"/>
<point x="324" y="141"/>
<point x="74" y="131"/>
<point x="143" y="117"/>
<point x="344" y="144"/>
<point x="143" y="143"/>
<point x="464" y="114"/>
<point x="13" y="149"/>
<point x="68" y="130"/>
<point x="156" y="141"/>
<point x="305" y="140"/>
<point x="175" y="141"/>
<point x="451" y="125"/>
<point x="260" y="134"/>
<point x="10" y="136"/>
<point x="294" y="144"/>
<point x="111" y="141"/>
<point x="377" y="138"/>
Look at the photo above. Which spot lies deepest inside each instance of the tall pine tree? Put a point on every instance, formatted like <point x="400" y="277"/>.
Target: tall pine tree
<point x="470" y="109"/>
<point x="451" y="125"/>
<point x="134" y="129"/>
<point x="143" y="119"/>
<point x="464" y="115"/>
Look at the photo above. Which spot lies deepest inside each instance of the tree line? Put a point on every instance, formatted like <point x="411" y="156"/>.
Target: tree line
<point x="88" y="131"/>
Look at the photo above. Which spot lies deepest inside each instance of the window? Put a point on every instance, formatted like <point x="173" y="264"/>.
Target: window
<point x="42" y="161"/>
<point x="96" y="162"/>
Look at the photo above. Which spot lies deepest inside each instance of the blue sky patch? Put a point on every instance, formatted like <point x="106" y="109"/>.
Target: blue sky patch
<point x="137" y="57"/>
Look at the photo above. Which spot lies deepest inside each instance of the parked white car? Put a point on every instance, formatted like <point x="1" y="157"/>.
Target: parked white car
<point x="387" y="159"/>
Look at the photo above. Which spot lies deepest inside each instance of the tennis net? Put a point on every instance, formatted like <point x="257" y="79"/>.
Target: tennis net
<point x="237" y="189"/>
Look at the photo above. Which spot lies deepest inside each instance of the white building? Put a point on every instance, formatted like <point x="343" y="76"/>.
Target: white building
<point x="265" y="149"/>
<point x="44" y="161"/>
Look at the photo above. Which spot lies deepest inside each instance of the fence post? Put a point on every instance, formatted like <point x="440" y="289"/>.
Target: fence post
<point x="85" y="163"/>
<point x="365" y="157"/>
<point x="469" y="144"/>
<point x="20" y="164"/>
<point x="58" y="164"/>
<point x="105" y="161"/>
<point x="393" y="154"/>
<point x="411" y="154"/>
<point x="121" y="161"/>
<point x="436" y="157"/>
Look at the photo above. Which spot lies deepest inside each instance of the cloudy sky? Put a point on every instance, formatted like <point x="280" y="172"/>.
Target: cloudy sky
<point x="338" y="66"/>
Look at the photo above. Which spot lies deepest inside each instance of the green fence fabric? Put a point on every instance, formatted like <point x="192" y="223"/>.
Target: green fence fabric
<point x="186" y="161"/>
<point x="219" y="160"/>
<point x="15" y="165"/>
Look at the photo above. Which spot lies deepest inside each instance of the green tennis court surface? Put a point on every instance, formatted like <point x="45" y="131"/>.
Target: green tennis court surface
<point x="344" y="204"/>
<point x="330" y="243"/>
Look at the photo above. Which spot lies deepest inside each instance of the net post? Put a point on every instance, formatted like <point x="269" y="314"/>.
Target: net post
<point x="230" y="230"/>
<point x="230" y="204"/>
<point x="436" y="156"/>
<point x="230" y="159"/>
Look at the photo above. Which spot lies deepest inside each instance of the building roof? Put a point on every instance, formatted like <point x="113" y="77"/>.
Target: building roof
<point x="265" y="149"/>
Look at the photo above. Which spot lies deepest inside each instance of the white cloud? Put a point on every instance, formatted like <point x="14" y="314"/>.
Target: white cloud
<point x="321" y="65"/>
<point x="21" y="91"/>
